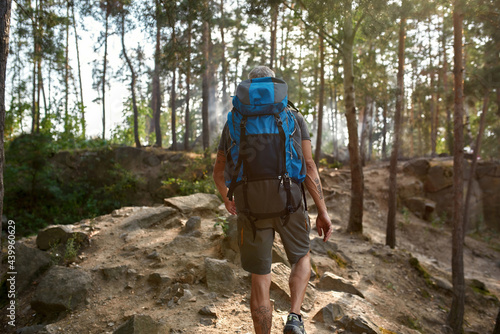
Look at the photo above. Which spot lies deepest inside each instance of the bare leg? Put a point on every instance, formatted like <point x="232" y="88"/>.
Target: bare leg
<point x="260" y="304"/>
<point x="299" y="277"/>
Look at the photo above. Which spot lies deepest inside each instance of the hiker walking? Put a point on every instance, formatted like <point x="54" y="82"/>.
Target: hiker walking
<point x="263" y="160"/>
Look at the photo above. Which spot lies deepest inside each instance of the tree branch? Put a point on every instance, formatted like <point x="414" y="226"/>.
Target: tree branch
<point x="358" y="24"/>
<point x="318" y="30"/>
<point x="25" y="12"/>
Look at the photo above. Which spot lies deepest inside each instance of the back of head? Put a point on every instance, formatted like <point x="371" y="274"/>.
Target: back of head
<point x="260" y="72"/>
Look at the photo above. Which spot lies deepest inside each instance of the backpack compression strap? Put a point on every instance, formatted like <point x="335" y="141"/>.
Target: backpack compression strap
<point x="236" y="172"/>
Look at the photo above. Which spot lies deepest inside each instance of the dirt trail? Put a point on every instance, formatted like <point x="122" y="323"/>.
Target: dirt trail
<point x="397" y="296"/>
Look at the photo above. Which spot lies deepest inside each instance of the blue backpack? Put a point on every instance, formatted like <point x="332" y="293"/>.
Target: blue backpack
<point x="266" y="151"/>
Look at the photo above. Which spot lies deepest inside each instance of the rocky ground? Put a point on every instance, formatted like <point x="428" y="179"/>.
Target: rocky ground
<point x="173" y="269"/>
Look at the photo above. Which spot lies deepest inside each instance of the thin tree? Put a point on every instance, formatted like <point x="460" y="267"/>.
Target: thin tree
<point x="173" y="60"/>
<point x="205" y="77"/>
<point x="391" y="216"/>
<point x="456" y="315"/>
<point x="105" y="6"/>
<point x="357" y="183"/>
<point x="187" y="121"/>
<point x="133" y="78"/>
<point x="5" y="7"/>
<point x="156" y="95"/>
<point x="225" y="98"/>
<point x="67" y="127"/>
<point x="477" y="149"/>
<point x="82" y="105"/>
<point x="274" y="33"/>
<point x="317" y="153"/>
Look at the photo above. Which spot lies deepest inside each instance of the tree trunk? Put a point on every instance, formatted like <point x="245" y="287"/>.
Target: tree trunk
<point x="357" y="186"/>
<point x="205" y="83"/>
<point x="336" y="117"/>
<point x="412" y="116"/>
<point x="384" y="131"/>
<point x="5" y="7"/>
<point x="66" y="77"/>
<point x="225" y="97"/>
<point x="433" y="117"/>
<point x="391" y="215"/>
<point x="35" y="57"/>
<point x="105" y="65"/>
<point x="132" y="85"/>
<point x="156" y="97"/>
<point x="456" y="315"/>
<point x="477" y="150"/>
<point x="187" y="120"/>
<point x="173" y="116"/>
<point x="82" y="106"/>
<point x="317" y="154"/>
<point x="365" y="129"/>
<point x="274" y="28"/>
<point x="172" y="109"/>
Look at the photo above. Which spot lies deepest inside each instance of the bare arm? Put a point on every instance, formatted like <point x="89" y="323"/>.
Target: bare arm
<point x="218" y="175"/>
<point x="313" y="185"/>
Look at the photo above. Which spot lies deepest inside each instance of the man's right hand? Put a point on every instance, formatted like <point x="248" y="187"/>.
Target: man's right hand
<point x="230" y="206"/>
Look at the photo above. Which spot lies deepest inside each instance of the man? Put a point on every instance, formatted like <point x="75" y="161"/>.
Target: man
<point x="256" y="236"/>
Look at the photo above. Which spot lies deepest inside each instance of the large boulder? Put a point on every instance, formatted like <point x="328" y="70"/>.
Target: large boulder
<point x="229" y="245"/>
<point x="439" y="177"/>
<point x="30" y="263"/>
<point x="139" y="324"/>
<point x="147" y="217"/>
<point x="488" y="175"/>
<point x="409" y="187"/>
<point x="421" y="207"/>
<point x="55" y="235"/>
<point x="333" y="282"/>
<point x="417" y="167"/>
<point x="194" y="203"/>
<point x="220" y="276"/>
<point x="61" y="289"/>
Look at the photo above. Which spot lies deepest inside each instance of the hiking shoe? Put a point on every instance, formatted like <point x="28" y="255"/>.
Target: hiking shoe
<point x="294" y="325"/>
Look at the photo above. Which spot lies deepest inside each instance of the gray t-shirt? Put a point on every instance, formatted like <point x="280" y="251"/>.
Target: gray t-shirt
<point x="225" y="139"/>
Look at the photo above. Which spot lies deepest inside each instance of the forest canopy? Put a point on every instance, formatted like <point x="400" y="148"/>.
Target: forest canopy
<point x="177" y="63"/>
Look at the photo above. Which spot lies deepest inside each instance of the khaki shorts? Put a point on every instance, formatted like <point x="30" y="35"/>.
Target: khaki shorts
<point x="256" y="253"/>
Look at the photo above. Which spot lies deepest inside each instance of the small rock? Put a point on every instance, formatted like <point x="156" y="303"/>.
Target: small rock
<point x="206" y="321"/>
<point x="193" y="223"/>
<point x="139" y="324"/>
<point x="443" y="283"/>
<point x="114" y="272"/>
<point x="209" y="311"/>
<point x="220" y="276"/>
<point x="157" y="279"/>
<point x="358" y="325"/>
<point x="329" y="314"/>
<point x="333" y="282"/>
<point x="153" y="255"/>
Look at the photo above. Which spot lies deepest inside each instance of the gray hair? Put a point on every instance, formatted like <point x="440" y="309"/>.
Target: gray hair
<point x="260" y="72"/>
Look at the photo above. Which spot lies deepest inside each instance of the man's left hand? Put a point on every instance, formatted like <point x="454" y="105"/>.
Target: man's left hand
<point x="324" y="226"/>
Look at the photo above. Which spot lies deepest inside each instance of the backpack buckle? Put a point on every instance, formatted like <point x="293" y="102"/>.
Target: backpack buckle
<point x="278" y="120"/>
